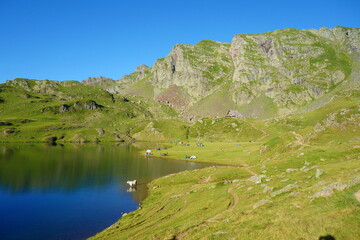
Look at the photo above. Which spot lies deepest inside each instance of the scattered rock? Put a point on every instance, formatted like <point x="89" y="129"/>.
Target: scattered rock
<point x="338" y="186"/>
<point x="329" y="190"/>
<point x="319" y="172"/>
<point x="5" y="123"/>
<point x="260" y="203"/>
<point x="357" y="196"/>
<point x="87" y="105"/>
<point x="50" y="139"/>
<point x="291" y="170"/>
<point x="8" y="131"/>
<point x="354" y="181"/>
<point x="249" y="188"/>
<point x="257" y="178"/>
<point x="293" y="194"/>
<point x="236" y="180"/>
<point x="284" y="189"/>
<point x="305" y="169"/>
<point x="177" y="195"/>
<point x="101" y="131"/>
<point x="64" y="108"/>
<point x="321" y="183"/>
<point x="267" y="189"/>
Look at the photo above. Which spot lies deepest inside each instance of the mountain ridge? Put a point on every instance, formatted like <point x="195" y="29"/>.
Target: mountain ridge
<point x="290" y="67"/>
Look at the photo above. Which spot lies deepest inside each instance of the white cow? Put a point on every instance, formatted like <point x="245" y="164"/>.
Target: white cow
<point x="132" y="183"/>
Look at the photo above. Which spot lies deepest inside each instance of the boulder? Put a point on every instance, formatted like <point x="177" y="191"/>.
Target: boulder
<point x="354" y="181"/>
<point x="261" y="202"/>
<point x="287" y="188"/>
<point x="319" y="172"/>
<point x="329" y="190"/>
<point x="257" y="178"/>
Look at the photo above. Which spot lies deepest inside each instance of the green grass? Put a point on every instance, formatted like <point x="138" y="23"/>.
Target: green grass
<point x="218" y="202"/>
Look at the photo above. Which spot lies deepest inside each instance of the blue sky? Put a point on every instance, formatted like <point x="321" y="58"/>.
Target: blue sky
<point x="72" y="40"/>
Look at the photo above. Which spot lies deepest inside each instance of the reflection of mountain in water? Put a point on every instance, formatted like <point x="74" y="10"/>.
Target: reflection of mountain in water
<point x="54" y="168"/>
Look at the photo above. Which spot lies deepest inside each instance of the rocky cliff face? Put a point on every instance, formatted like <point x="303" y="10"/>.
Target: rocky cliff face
<point x="102" y="81"/>
<point x="280" y="70"/>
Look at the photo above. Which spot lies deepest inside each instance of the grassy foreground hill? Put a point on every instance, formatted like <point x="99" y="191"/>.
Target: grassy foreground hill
<point x="300" y="180"/>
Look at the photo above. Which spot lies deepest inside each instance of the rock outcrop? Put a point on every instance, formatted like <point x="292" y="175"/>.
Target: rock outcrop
<point x="102" y="81"/>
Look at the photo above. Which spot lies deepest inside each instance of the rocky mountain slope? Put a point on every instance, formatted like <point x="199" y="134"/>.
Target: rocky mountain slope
<point x="261" y="75"/>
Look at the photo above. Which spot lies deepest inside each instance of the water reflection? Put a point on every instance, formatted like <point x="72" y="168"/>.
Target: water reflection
<point x="53" y="168"/>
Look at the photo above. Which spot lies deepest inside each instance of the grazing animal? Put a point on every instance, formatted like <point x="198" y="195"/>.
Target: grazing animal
<point x="132" y="183"/>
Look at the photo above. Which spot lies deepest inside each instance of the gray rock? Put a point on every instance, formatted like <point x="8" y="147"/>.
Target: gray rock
<point x="257" y="178"/>
<point x="97" y="81"/>
<point x="304" y="169"/>
<point x="287" y="188"/>
<point x="293" y="194"/>
<point x="141" y="68"/>
<point x="88" y="105"/>
<point x="319" y="172"/>
<point x="261" y="202"/>
<point x="64" y="108"/>
<point x="325" y="192"/>
<point x="291" y="170"/>
<point x="267" y="189"/>
<point x="329" y="190"/>
<point x="338" y="186"/>
<point x="321" y="183"/>
<point x="354" y="181"/>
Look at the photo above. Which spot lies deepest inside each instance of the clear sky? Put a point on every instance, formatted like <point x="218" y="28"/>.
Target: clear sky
<point x="76" y="39"/>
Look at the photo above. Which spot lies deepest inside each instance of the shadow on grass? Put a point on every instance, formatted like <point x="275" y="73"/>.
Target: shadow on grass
<point x="327" y="237"/>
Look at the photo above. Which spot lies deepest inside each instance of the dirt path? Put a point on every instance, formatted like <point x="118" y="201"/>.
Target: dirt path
<point x="265" y="134"/>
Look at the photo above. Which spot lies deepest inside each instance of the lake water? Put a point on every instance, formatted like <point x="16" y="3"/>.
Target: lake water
<point x="72" y="191"/>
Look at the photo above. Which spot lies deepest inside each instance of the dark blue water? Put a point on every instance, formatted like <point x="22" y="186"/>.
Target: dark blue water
<point x="72" y="192"/>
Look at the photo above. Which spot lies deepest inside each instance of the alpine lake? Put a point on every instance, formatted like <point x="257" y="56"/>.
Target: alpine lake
<point x="73" y="191"/>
